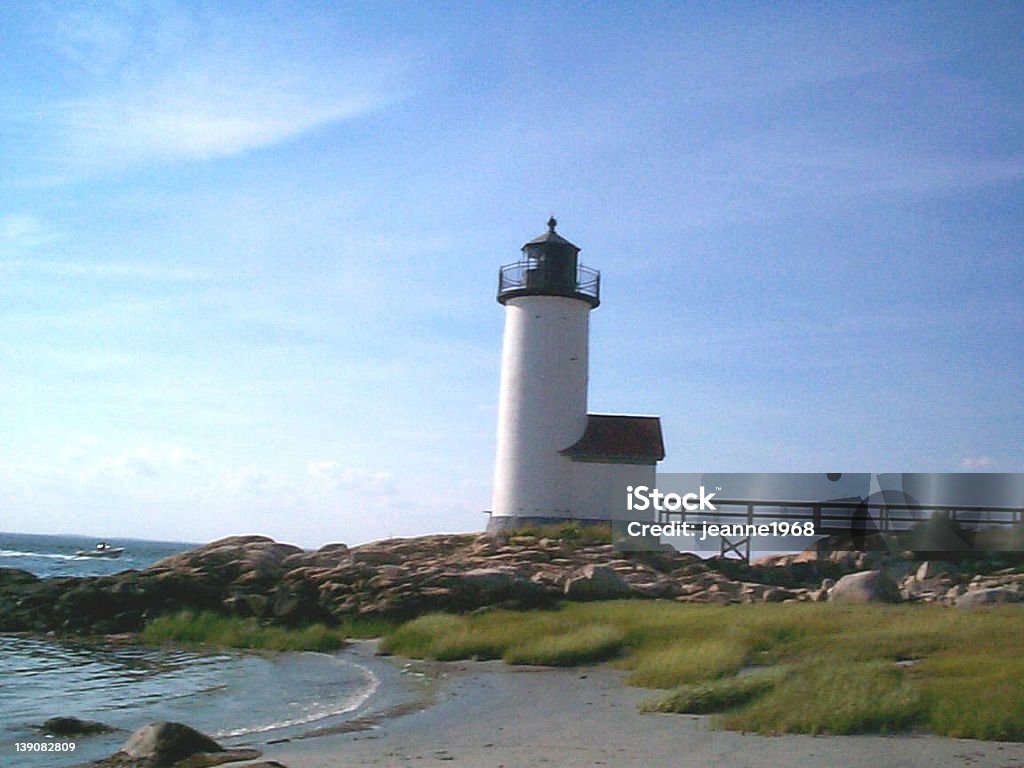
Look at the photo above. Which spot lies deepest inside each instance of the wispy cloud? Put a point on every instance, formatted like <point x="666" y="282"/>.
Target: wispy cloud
<point x="335" y="476"/>
<point x="20" y="232"/>
<point x="773" y="173"/>
<point x="169" y="87"/>
<point x="213" y="110"/>
<point x="116" y="270"/>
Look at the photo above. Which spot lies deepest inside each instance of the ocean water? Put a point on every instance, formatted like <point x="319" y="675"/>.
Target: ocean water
<point x="237" y="698"/>
<point x="47" y="556"/>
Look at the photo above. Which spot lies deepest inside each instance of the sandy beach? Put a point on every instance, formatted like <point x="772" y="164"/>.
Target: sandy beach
<point x="491" y="715"/>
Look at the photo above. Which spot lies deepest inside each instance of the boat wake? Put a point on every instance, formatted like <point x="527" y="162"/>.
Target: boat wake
<point x="47" y="555"/>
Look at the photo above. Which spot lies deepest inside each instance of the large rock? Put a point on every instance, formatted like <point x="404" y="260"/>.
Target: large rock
<point x="929" y="569"/>
<point x="991" y="596"/>
<point x="72" y="726"/>
<point x="165" y="743"/>
<point x="596" y="582"/>
<point x="227" y="559"/>
<point x="865" y="587"/>
<point x="777" y="595"/>
<point x="328" y="556"/>
<point x="493" y="581"/>
<point x="296" y="602"/>
<point x="376" y="556"/>
<point x="16" y="576"/>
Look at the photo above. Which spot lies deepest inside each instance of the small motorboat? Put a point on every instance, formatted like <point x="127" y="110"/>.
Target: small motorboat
<point x="102" y="550"/>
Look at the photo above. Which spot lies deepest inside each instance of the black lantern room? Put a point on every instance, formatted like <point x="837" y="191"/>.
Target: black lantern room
<point x="549" y="267"/>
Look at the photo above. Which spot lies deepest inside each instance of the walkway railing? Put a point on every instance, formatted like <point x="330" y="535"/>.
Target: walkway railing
<point x="857" y="518"/>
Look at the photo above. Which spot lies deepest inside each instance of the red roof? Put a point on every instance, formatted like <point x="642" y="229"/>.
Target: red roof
<point x="619" y="440"/>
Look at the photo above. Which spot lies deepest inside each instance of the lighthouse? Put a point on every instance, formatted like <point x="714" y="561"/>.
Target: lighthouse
<point x="555" y="461"/>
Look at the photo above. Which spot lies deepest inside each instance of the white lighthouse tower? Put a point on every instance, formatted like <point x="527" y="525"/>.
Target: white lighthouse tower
<point x="555" y="462"/>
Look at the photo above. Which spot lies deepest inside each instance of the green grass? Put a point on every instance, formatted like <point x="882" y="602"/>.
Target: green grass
<point x="678" y="663"/>
<point x="232" y="632"/>
<point x="801" y="668"/>
<point x="834" y="696"/>
<point x="446" y="638"/>
<point x="979" y="697"/>
<point x="714" y="696"/>
<point x="540" y="637"/>
<point x="573" y="533"/>
<point x="590" y="643"/>
<point x="365" y="627"/>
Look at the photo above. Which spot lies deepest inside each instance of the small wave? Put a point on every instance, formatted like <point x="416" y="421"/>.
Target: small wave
<point x="350" y="704"/>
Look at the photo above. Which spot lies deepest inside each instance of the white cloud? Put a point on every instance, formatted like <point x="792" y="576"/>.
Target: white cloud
<point x="973" y="463"/>
<point x="89" y="484"/>
<point x="253" y="481"/>
<point x="89" y="460"/>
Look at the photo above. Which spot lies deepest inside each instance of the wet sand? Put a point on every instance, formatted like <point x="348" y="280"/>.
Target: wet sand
<point x="491" y="715"/>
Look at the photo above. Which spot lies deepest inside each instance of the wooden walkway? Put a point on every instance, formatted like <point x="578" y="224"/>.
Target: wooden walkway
<point x="857" y="518"/>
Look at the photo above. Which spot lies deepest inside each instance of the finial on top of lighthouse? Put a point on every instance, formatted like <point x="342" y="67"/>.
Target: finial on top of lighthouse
<point x="552" y="223"/>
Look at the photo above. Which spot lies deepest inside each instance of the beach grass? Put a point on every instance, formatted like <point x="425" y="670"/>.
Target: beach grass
<point x="541" y="637"/>
<point x="208" y="628"/>
<point x="447" y="638"/>
<point x="834" y="696"/>
<point x="715" y="696"/>
<point x="366" y="627"/>
<point x="586" y="644"/>
<point x="981" y="696"/>
<point x="676" y="664"/>
<point x="795" y="668"/>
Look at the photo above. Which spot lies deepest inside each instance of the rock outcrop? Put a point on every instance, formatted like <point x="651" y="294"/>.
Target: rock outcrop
<point x="254" y="576"/>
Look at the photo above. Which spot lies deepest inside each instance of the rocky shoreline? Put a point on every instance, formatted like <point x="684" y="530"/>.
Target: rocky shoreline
<point x="402" y="578"/>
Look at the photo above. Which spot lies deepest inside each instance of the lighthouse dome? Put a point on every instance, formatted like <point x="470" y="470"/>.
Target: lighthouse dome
<point x="550" y="238"/>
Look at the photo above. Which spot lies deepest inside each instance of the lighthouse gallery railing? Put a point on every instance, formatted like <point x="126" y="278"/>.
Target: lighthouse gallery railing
<point x="527" y="276"/>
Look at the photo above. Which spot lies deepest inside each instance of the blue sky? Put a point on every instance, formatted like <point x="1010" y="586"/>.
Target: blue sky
<point x="248" y="251"/>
